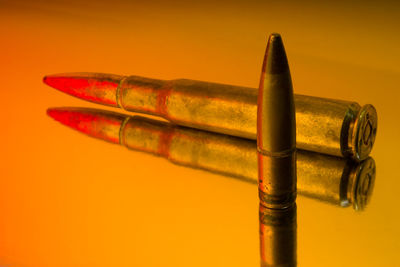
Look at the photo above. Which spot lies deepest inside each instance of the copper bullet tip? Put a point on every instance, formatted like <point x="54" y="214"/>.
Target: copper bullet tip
<point x="276" y="114"/>
<point x="276" y="60"/>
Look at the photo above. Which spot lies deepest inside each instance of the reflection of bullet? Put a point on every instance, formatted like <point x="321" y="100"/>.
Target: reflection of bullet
<point x="278" y="236"/>
<point x="276" y="129"/>
<point x="327" y="178"/>
<point x="334" y="127"/>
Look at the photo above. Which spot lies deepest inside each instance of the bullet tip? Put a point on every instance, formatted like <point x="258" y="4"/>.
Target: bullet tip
<point x="276" y="60"/>
<point x="276" y="128"/>
<point x="50" y="112"/>
<point x="95" y="87"/>
<point x="274" y="35"/>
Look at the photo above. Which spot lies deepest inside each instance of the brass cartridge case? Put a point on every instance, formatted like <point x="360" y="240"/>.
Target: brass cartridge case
<point x="334" y="127"/>
<point x="333" y="180"/>
<point x="278" y="236"/>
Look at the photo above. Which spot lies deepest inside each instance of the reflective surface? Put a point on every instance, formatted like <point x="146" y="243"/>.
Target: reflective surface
<point x="70" y="200"/>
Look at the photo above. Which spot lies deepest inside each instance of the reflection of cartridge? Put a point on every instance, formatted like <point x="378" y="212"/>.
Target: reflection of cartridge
<point x="276" y="129"/>
<point x="331" y="179"/>
<point x="334" y="127"/>
<point x="278" y="236"/>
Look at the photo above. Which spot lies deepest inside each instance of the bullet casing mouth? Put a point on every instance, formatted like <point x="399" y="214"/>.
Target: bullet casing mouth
<point x="277" y="181"/>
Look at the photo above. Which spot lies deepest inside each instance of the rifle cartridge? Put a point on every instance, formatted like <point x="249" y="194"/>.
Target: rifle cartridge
<point x="334" y="127"/>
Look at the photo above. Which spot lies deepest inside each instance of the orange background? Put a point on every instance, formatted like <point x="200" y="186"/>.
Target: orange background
<point x="70" y="200"/>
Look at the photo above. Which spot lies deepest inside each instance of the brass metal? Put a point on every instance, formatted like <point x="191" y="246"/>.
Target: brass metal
<point x="278" y="236"/>
<point x="330" y="179"/>
<point x="334" y="127"/>
<point x="276" y="129"/>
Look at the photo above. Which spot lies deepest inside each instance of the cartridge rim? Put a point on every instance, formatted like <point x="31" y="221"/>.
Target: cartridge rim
<point x="364" y="131"/>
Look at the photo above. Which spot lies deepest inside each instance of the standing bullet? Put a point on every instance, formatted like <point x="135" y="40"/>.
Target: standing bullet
<point x="276" y="129"/>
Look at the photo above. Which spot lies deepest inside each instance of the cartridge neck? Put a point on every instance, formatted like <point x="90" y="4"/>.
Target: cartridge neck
<point x="144" y="95"/>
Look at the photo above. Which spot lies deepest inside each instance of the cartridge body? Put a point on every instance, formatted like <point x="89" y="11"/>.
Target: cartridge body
<point x="334" y="127"/>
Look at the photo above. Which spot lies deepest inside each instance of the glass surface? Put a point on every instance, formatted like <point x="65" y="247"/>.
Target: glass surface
<point x="70" y="200"/>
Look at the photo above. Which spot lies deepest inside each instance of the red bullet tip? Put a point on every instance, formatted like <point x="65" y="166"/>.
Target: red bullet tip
<point x="94" y="87"/>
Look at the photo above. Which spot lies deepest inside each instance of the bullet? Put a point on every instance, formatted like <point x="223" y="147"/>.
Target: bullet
<point x="334" y="127"/>
<point x="278" y="236"/>
<point x="276" y="129"/>
<point x="330" y="179"/>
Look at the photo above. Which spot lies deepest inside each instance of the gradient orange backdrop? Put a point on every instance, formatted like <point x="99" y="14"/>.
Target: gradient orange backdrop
<point x="70" y="200"/>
